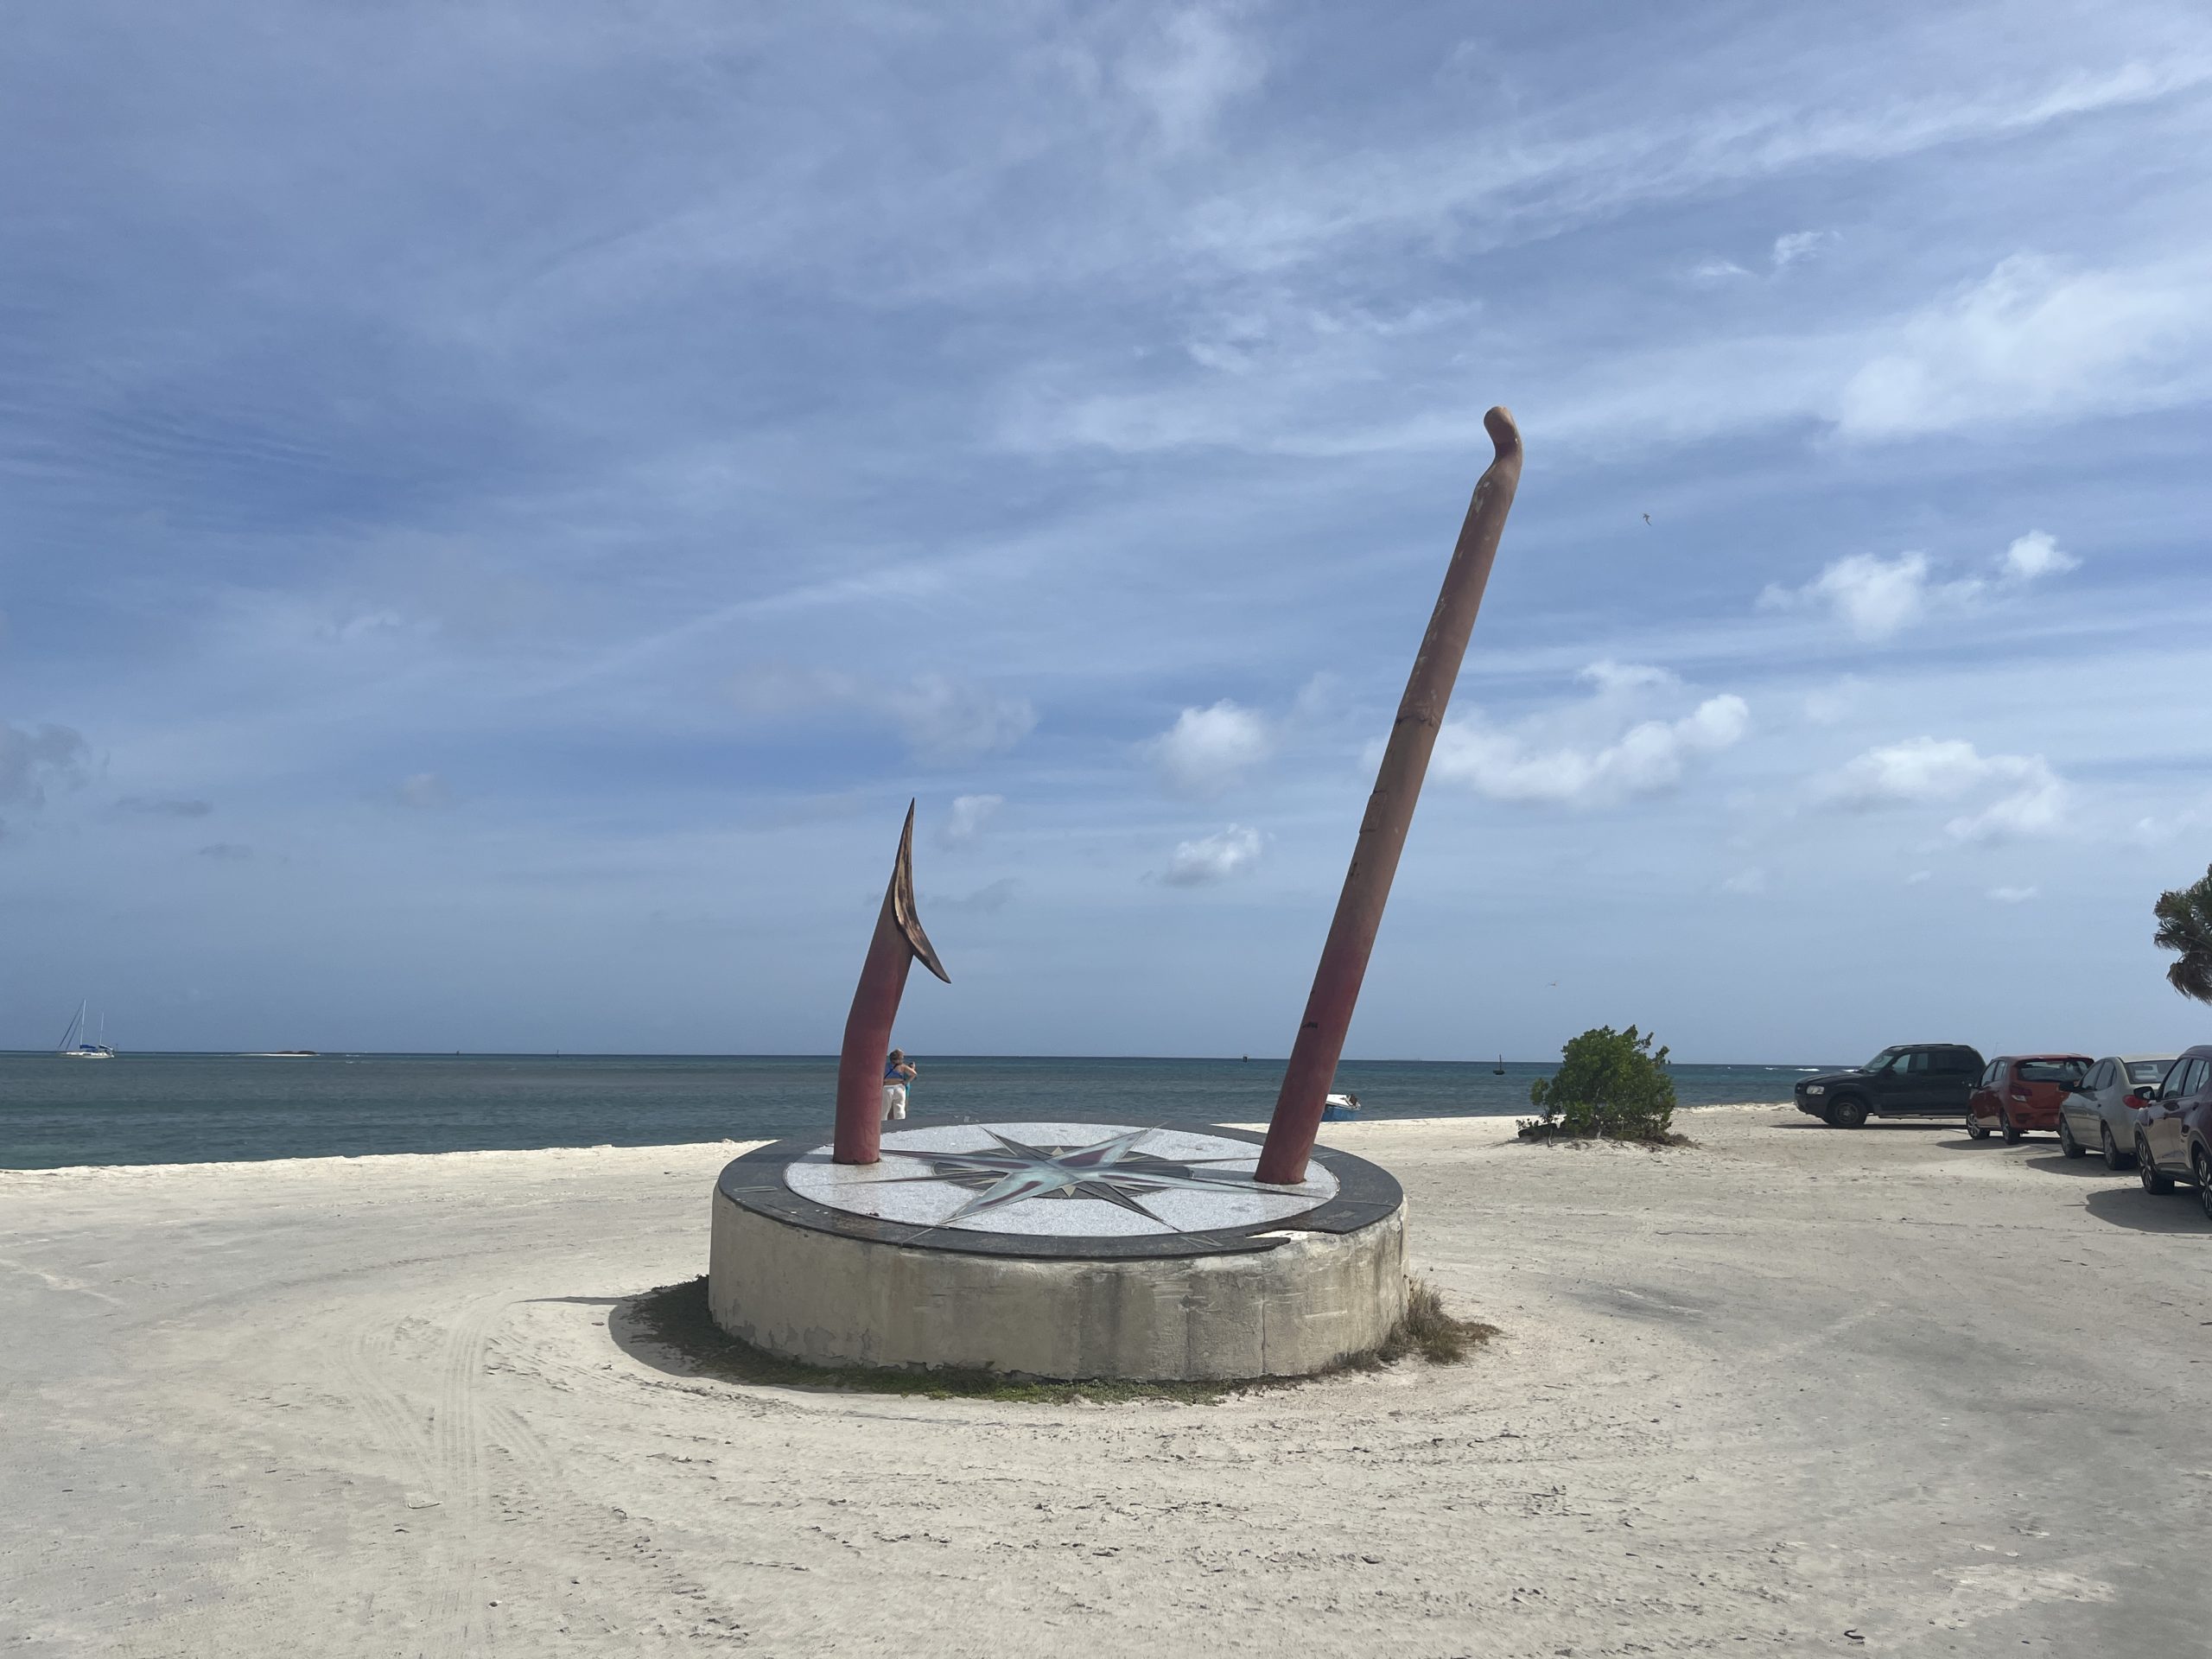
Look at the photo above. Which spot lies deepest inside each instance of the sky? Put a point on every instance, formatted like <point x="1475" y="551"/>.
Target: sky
<point x="501" y="506"/>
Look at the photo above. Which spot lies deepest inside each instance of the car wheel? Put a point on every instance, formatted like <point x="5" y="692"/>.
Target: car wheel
<point x="1974" y="1129"/>
<point x="2114" y="1158"/>
<point x="2200" y="1165"/>
<point x="2066" y="1143"/>
<point x="2146" y="1169"/>
<point x="1847" y="1112"/>
<point x="2011" y="1129"/>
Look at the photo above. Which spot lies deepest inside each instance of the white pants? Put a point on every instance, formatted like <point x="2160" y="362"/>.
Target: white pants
<point x="895" y="1102"/>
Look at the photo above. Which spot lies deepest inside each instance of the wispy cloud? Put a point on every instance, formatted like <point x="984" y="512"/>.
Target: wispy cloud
<point x="986" y="900"/>
<point x="159" y="807"/>
<point x="942" y="717"/>
<point x="424" y="791"/>
<point x="1188" y="68"/>
<point x="1795" y="247"/>
<point x="31" y="760"/>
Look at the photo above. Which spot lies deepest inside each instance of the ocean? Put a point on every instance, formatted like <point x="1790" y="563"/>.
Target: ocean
<point x="169" y="1109"/>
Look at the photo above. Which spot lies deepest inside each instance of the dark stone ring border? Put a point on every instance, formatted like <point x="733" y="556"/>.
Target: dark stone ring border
<point x="1366" y="1193"/>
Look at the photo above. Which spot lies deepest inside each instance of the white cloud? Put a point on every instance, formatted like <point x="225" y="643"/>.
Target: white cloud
<point x="1595" y="755"/>
<point x="1208" y="750"/>
<point x="2013" y="895"/>
<point x="2037" y="554"/>
<point x="1878" y="598"/>
<point x="969" y="814"/>
<point x="1717" y="271"/>
<point x="1919" y="878"/>
<point x="1213" y="858"/>
<point x="1797" y="245"/>
<point x="2031" y="340"/>
<point x="2036" y="809"/>
<point x="2022" y="795"/>
<point x="29" y="761"/>
<point x="1872" y="597"/>
<point x="1750" y="882"/>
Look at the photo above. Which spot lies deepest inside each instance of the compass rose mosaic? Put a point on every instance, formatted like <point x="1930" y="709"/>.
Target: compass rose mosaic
<point x="1059" y="1180"/>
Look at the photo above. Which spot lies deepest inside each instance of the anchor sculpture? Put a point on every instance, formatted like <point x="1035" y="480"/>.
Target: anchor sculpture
<point x="900" y="941"/>
<point x="1320" y="1041"/>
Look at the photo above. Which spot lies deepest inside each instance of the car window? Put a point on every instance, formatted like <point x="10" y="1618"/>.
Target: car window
<point x="2197" y="1069"/>
<point x="1957" y="1059"/>
<point x="2169" y="1085"/>
<point x="2146" y="1070"/>
<point x="2052" y="1071"/>
<point x="1915" y="1062"/>
<point x="1989" y="1076"/>
<point x="2097" y="1075"/>
<point x="1880" y="1060"/>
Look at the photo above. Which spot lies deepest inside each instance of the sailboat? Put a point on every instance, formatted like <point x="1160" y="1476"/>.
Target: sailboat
<point x="76" y="1043"/>
<point x="1498" y="1070"/>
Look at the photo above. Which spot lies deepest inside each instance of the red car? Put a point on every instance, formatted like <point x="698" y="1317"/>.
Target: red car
<point x="2020" y="1093"/>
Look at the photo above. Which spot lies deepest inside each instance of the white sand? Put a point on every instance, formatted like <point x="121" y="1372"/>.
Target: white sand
<point x="1752" y="1395"/>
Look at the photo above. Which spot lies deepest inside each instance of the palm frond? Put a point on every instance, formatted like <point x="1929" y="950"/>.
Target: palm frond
<point x="2184" y="918"/>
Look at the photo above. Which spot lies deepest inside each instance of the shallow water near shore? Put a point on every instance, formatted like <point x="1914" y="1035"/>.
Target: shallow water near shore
<point x="168" y="1108"/>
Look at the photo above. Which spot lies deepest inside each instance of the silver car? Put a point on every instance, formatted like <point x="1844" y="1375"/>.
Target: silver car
<point x="2094" y="1112"/>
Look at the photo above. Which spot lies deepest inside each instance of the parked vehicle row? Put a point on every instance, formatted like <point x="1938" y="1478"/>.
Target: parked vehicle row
<point x="2153" y="1112"/>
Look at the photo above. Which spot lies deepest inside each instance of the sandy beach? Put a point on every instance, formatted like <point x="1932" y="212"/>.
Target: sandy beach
<point x="1790" y="1391"/>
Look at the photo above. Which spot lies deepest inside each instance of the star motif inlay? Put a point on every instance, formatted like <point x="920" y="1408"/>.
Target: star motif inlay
<point x="1112" y="1169"/>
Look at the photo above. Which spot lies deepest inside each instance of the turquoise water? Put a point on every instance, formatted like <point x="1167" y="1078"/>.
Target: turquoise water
<point x="167" y="1108"/>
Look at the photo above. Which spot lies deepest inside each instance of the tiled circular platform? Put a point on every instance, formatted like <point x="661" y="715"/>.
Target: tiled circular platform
<point x="1059" y="1247"/>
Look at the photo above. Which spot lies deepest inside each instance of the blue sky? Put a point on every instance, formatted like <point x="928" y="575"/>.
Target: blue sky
<point x="501" y="505"/>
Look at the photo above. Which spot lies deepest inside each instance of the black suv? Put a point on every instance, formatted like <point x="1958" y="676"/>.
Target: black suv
<point x="1916" y="1080"/>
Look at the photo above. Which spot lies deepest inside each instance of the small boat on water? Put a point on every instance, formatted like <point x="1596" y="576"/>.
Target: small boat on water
<point x="76" y="1042"/>
<point x="1498" y="1070"/>
<point x="1340" y="1108"/>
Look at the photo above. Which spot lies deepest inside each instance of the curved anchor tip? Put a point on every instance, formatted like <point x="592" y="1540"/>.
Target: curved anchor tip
<point x="902" y="903"/>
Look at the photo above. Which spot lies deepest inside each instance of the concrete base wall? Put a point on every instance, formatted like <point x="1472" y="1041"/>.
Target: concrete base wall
<point x="826" y="1300"/>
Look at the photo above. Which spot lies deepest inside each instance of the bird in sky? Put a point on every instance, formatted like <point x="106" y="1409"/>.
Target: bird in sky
<point x="1647" y="518"/>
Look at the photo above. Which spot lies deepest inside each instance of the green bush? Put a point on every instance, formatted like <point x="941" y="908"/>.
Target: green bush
<point x="1609" y="1084"/>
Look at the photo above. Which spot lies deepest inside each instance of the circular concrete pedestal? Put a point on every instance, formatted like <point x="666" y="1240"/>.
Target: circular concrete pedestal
<point x="1067" y="1248"/>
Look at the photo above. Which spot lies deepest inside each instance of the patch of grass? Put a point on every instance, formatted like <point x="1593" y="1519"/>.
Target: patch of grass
<point x="1430" y="1330"/>
<point x="1540" y="1135"/>
<point x="676" y="1317"/>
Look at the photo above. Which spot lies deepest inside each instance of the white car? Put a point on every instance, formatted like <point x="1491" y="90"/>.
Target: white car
<point x="2094" y="1112"/>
